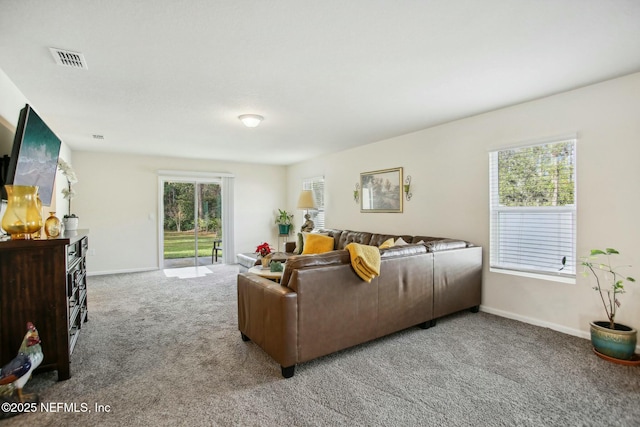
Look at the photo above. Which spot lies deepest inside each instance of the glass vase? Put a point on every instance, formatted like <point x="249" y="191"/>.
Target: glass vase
<point x="36" y="234"/>
<point x="22" y="217"/>
<point x="52" y="226"/>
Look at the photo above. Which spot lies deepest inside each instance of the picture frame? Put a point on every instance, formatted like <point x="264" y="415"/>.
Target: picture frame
<point x="381" y="191"/>
<point x="34" y="155"/>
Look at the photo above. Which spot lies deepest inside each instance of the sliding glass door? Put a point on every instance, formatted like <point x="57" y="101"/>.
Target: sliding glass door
<point x="192" y="223"/>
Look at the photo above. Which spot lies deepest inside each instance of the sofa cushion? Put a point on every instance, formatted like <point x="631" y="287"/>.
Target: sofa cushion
<point x="402" y="251"/>
<point x="378" y="239"/>
<point x="335" y="233"/>
<point x="360" y="237"/>
<point x="317" y="244"/>
<point x="445" y="244"/>
<point x="417" y="239"/>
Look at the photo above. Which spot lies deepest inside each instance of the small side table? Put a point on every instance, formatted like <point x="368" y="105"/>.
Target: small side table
<point x="266" y="273"/>
<point x="282" y="238"/>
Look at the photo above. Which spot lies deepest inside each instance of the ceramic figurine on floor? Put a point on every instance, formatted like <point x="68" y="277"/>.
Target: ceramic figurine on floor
<point x="15" y="374"/>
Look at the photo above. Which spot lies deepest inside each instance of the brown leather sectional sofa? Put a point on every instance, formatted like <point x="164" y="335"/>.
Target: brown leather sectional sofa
<point x="322" y="306"/>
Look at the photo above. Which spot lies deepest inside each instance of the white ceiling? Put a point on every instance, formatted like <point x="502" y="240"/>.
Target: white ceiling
<point x="170" y="77"/>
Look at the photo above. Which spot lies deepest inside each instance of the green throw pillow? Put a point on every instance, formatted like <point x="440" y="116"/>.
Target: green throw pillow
<point x="299" y="245"/>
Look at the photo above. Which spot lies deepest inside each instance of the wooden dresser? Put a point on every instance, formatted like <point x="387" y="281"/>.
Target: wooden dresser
<point x="44" y="282"/>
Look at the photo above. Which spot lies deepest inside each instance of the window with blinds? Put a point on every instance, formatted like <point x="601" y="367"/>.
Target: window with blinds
<point x="316" y="185"/>
<point x="533" y="208"/>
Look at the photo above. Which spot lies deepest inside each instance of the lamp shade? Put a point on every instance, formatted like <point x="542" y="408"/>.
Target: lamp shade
<point x="306" y="200"/>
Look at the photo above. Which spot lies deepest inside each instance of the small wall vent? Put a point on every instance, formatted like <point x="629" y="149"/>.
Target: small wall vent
<point x="67" y="58"/>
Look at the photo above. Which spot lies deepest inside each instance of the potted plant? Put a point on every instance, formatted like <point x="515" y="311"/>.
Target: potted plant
<point x="264" y="254"/>
<point x="70" y="220"/>
<point x="284" y="220"/>
<point x="608" y="337"/>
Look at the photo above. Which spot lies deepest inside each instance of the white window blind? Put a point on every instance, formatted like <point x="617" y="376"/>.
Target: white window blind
<point x="533" y="208"/>
<point x="316" y="185"/>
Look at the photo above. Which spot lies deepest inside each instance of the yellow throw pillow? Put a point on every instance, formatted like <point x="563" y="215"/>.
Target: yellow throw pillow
<point x="317" y="244"/>
<point x="387" y="244"/>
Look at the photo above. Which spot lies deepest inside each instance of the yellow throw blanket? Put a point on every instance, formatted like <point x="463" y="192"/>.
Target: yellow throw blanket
<point x="365" y="260"/>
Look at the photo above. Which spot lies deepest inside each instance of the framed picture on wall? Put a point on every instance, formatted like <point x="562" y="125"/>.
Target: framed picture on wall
<point x="381" y="191"/>
<point x="34" y="155"/>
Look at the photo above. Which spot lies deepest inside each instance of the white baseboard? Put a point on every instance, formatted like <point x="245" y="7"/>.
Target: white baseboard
<point x="132" y="270"/>
<point x="538" y="322"/>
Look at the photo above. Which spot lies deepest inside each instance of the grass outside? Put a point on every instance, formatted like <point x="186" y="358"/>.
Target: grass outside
<point x="181" y="244"/>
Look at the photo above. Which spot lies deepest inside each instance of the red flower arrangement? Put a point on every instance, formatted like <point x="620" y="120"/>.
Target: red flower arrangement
<point x="263" y="249"/>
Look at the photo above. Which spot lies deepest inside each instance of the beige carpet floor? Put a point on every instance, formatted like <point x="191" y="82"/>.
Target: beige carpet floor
<point x="165" y="351"/>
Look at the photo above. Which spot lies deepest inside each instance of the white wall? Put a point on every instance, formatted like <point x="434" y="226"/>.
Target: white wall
<point x="117" y="197"/>
<point x="449" y="169"/>
<point x="11" y="101"/>
<point x="118" y="202"/>
<point x="7" y="132"/>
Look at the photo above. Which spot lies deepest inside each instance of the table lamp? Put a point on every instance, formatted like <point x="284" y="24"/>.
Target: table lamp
<point x="306" y="202"/>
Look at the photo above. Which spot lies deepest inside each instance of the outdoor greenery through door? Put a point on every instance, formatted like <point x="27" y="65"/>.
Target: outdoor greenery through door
<point x="192" y="221"/>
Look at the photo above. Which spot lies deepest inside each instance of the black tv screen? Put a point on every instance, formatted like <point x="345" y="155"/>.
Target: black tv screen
<point x="34" y="156"/>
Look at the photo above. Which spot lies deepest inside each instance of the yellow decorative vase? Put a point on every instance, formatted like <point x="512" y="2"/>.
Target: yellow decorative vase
<point x="52" y="226"/>
<point x="22" y="217"/>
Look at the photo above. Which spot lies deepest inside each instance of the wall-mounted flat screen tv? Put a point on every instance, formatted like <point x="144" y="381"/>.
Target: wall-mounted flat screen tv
<point x="34" y="156"/>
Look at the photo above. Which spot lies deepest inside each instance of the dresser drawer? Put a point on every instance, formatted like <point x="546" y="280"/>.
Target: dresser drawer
<point x="73" y="253"/>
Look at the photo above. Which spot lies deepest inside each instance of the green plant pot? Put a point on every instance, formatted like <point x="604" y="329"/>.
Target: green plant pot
<point x="284" y="228"/>
<point x="619" y="343"/>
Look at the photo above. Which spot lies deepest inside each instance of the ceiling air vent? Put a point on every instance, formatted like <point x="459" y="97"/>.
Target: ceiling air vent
<point x="67" y="58"/>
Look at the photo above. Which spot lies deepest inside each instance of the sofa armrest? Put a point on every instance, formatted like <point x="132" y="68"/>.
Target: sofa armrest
<point x="289" y="247"/>
<point x="446" y="245"/>
<point x="267" y="314"/>
<point x="313" y="260"/>
<point x="402" y="251"/>
<point x="457" y="280"/>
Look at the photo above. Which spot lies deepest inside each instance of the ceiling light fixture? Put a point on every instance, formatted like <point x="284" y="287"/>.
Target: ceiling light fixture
<point x="250" y="120"/>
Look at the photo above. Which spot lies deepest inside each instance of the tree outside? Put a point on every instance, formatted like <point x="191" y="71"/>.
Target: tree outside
<point x="180" y="219"/>
<point x="541" y="175"/>
<point x="533" y="222"/>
